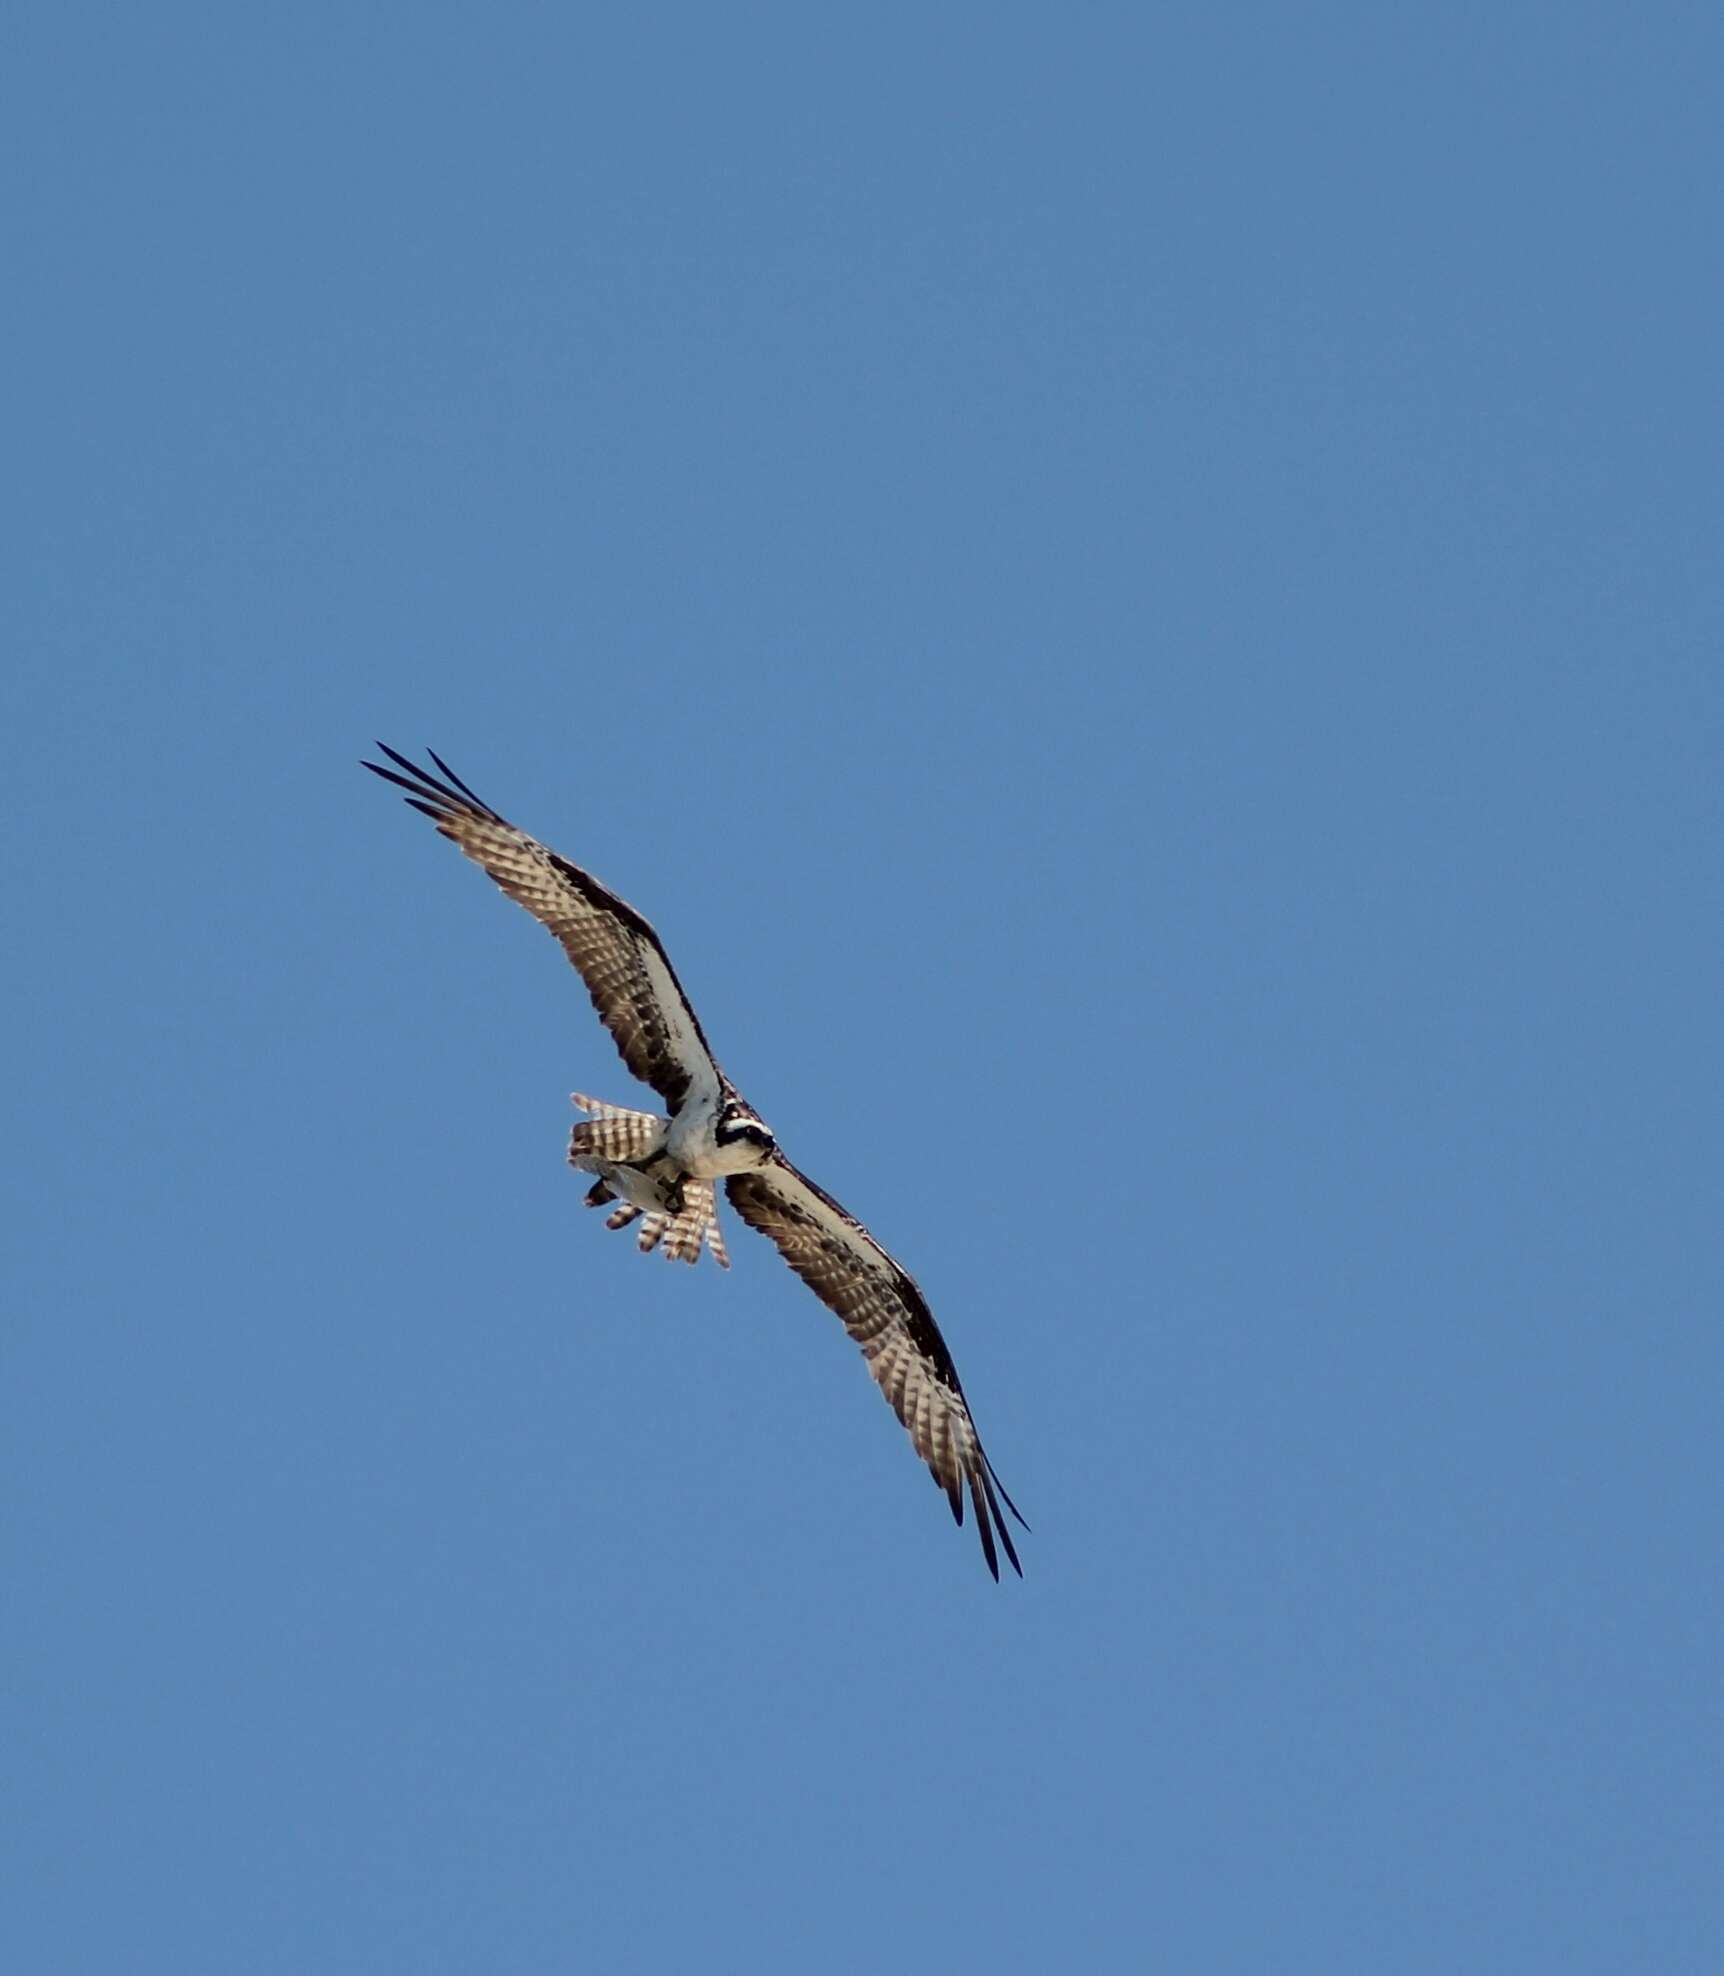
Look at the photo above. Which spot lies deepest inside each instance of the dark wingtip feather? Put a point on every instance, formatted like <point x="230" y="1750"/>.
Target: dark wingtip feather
<point x="989" y="1522"/>
<point x="453" y="794"/>
<point x="422" y="792"/>
<point x="389" y="775"/>
<point x="1005" y="1534"/>
<point x="401" y="761"/>
<point x="984" y="1528"/>
<point x="994" y="1483"/>
<point x="477" y="801"/>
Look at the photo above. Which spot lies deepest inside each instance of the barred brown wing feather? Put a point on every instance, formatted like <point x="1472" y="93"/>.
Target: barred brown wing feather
<point x="616" y="952"/>
<point x="887" y="1315"/>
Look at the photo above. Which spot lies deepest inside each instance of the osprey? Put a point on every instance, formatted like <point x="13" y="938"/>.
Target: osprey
<point x="662" y="1168"/>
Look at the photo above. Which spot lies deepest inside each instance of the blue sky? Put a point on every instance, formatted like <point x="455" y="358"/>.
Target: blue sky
<point x="1136" y="593"/>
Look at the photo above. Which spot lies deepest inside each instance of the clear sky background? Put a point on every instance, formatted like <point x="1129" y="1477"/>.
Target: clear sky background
<point x="1136" y="591"/>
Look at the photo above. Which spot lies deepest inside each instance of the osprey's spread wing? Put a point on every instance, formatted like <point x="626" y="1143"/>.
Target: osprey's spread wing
<point x="886" y="1314"/>
<point x="619" y="956"/>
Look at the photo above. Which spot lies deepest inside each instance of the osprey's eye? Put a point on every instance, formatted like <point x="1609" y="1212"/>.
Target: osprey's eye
<point x="740" y="1127"/>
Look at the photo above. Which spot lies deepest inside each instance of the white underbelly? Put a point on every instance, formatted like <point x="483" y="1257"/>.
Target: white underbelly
<point x="691" y="1145"/>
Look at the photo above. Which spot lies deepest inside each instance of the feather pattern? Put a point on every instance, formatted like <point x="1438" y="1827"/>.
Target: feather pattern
<point x="885" y="1312"/>
<point x="616" y="952"/>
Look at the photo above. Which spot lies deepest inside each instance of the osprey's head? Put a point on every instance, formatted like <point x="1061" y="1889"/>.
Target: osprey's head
<point x="737" y="1130"/>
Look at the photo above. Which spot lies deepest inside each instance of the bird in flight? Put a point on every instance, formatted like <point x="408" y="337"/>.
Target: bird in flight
<point x="660" y="1170"/>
